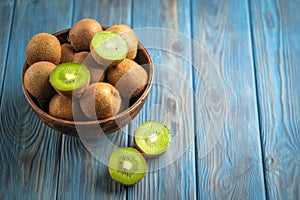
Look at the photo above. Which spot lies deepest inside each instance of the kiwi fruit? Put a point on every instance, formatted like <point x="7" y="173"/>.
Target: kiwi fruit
<point x="43" y="47"/>
<point x="61" y="107"/>
<point x="82" y="32"/>
<point x="105" y="98"/>
<point x="152" y="138"/>
<point x="79" y="57"/>
<point x="127" y="166"/>
<point x="67" y="52"/>
<point x="129" y="35"/>
<point x="70" y="79"/>
<point x="108" y="48"/>
<point x="128" y="77"/>
<point x="96" y="70"/>
<point x="36" y="80"/>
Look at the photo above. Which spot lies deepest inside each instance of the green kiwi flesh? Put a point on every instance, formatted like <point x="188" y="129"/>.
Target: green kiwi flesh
<point x="129" y="35"/>
<point x="127" y="166"/>
<point x="108" y="48"/>
<point x="152" y="138"/>
<point x="70" y="78"/>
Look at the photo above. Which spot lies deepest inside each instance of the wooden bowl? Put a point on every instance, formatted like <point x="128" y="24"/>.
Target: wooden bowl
<point x="108" y="125"/>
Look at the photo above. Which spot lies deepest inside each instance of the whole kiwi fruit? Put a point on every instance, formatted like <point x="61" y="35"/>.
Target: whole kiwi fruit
<point x="129" y="35"/>
<point x="36" y="80"/>
<point x="61" y="107"/>
<point x="67" y="52"/>
<point x="82" y="32"/>
<point x="128" y="77"/>
<point x="96" y="70"/>
<point x="43" y="47"/>
<point x="100" y="100"/>
<point x="79" y="57"/>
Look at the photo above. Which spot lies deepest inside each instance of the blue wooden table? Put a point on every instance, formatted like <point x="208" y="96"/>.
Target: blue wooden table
<point x="226" y="82"/>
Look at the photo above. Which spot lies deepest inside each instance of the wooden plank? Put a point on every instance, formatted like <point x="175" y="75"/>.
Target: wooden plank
<point x="29" y="150"/>
<point x="275" y="30"/>
<point x="171" y="175"/>
<point x="6" y="10"/>
<point x="229" y="160"/>
<point x="84" y="175"/>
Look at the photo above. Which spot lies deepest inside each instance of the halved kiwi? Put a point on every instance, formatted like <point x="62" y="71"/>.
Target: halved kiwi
<point x="152" y="138"/>
<point x="129" y="35"/>
<point x="108" y="48"/>
<point x="127" y="166"/>
<point x="70" y="79"/>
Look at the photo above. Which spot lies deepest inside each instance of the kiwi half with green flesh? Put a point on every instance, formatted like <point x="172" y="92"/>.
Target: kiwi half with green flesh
<point x="82" y="32"/>
<point x="36" y="80"/>
<point x="152" y="138"/>
<point x="67" y="52"/>
<point x="128" y="77"/>
<point x="43" y="47"/>
<point x="61" y="107"/>
<point x="108" y="48"/>
<point x="100" y="100"/>
<point x="70" y="79"/>
<point x="129" y="35"/>
<point x="127" y="166"/>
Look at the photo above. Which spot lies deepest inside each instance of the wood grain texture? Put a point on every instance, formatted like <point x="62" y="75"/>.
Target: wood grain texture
<point x="82" y="176"/>
<point x="6" y="10"/>
<point x="170" y="102"/>
<point x="229" y="160"/>
<point x="29" y="150"/>
<point x="275" y="30"/>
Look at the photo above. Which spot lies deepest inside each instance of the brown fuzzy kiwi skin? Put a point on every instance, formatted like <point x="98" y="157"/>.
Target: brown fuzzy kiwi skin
<point x="79" y="57"/>
<point x="61" y="107"/>
<point x="128" y="77"/>
<point x="129" y="35"/>
<point x="106" y="99"/>
<point x="97" y="71"/>
<point x="67" y="52"/>
<point x="36" y="80"/>
<point x="43" y="47"/>
<point x="82" y="32"/>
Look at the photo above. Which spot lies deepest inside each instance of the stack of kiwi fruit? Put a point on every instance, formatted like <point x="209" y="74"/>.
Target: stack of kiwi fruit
<point x="94" y="74"/>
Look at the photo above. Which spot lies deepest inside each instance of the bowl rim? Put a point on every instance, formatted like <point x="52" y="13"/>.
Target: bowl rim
<point x="124" y="113"/>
